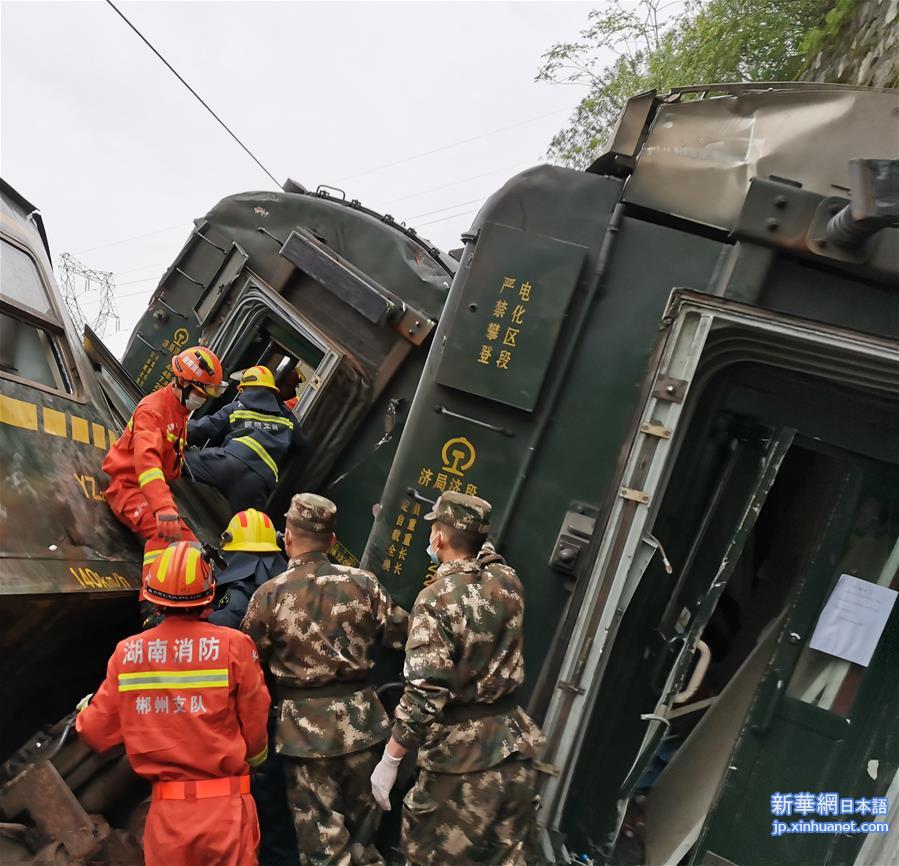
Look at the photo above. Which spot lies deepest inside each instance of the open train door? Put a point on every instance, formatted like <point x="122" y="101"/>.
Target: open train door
<point x="756" y="456"/>
<point x="817" y="715"/>
<point x="763" y="469"/>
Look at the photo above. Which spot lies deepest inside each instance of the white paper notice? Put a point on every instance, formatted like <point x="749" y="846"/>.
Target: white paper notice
<point x="853" y="619"/>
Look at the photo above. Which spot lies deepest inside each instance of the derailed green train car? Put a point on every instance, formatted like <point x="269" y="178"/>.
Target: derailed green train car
<point x="69" y="572"/>
<point x="68" y="569"/>
<point x="675" y="377"/>
<point x="339" y="301"/>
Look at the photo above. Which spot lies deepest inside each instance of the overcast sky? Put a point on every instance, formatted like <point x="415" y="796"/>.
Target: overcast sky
<point x="100" y="136"/>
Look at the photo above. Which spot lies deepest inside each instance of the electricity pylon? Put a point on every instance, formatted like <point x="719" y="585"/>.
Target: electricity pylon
<point x="81" y="284"/>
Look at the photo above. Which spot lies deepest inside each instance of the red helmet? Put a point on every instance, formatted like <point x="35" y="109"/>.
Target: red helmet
<point x="180" y="577"/>
<point x="199" y="367"/>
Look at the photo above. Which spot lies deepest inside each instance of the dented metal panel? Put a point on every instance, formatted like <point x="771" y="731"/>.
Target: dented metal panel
<point x="700" y="155"/>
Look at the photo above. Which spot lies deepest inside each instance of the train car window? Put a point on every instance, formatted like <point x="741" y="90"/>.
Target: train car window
<point x="31" y="353"/>
<point x="20" y="280"/>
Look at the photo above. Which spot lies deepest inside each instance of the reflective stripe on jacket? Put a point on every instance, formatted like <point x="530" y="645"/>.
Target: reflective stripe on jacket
<point x="256" y="428"/>
<point x="148" y="453"/>
<point x="188" y="700"/>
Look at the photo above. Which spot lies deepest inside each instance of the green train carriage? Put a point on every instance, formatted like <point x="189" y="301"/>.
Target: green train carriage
<point x="675" y="377"/>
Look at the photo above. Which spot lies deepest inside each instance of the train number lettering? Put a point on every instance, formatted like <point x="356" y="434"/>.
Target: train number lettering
<point x="90" y="488"/>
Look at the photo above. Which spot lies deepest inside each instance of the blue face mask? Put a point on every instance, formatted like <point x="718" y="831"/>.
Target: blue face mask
<point x="433" y="555"/>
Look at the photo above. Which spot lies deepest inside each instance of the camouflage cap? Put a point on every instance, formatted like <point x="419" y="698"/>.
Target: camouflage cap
<point x="312" y="513"/>
<point x="462" y="511"/>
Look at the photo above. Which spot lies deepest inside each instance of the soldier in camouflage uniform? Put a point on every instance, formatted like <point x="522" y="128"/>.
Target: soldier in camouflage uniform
<point x="315" y="626"/>
<point x="474" y="801"/>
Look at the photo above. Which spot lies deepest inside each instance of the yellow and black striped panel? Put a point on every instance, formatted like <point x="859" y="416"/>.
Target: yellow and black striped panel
<point x="42" y="419"/>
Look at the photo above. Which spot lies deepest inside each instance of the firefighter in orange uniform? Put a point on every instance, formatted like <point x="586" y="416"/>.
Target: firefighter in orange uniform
<point x="148" y="455"/>
<point x="189" y="701"/>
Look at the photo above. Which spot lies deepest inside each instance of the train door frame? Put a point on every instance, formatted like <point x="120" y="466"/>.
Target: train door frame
<point x="689" y="356"/>
<point x="256" y="303"/>
<point x="787" y="735"/>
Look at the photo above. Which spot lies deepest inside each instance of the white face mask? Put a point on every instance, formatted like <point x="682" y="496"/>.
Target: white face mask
<point x="194" y="401"/>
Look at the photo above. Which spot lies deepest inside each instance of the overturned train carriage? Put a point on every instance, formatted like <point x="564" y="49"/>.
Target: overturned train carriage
<point x="337" y="300"/>
<point x="68" y="571"/>
<point x="675" y="377"/>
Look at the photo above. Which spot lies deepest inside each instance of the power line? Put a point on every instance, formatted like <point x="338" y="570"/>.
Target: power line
<point x="382" y="205"/>
<point x="133" y="238"/>
<point x="148" y="279"/>
<point x="142" y="280"/>
<point x="444" y="219"/>
<point x="442" y="209"/>
<point x="135" y="282"/>
<point x="345" y="177"/>
<point x="144" y="292"/>
<point x="126" y="295"/>
<point x="415" y="216"/>
<point x="194" y="92"/>
<point x="448" y="185"/>
<point x="449" y="146"/>
<point x="142" y="268"/>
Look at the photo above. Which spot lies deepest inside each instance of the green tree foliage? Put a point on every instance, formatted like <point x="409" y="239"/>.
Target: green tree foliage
<point x="709" y="41"/>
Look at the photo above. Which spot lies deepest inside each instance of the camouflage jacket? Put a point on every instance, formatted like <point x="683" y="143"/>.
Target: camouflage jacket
<point x="465" y="648"/>
<point x="315" y="626"/>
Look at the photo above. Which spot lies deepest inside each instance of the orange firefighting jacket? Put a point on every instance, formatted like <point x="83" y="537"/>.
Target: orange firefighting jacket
<point x="148" y="453"/>
<point x="187" y="698"/>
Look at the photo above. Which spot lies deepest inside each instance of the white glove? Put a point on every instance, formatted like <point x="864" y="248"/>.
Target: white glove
<point x="384" y="778"/>
<point x="82" y="704"/>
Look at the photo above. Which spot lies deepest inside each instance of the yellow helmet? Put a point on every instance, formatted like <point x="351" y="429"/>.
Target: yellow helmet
<point x="250" y="531"/>
<point x="260" y="377"/>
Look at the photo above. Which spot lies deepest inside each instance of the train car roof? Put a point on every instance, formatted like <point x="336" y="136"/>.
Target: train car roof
<point x="23" y="211"/>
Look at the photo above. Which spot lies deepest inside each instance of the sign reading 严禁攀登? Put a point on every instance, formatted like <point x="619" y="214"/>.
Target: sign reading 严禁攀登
<point x="512" y="311"/>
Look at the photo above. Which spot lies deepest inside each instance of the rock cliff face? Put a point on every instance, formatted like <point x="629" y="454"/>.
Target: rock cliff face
<point x="864" y="50"/>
